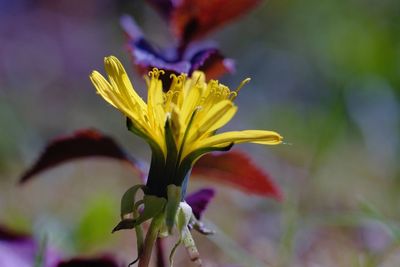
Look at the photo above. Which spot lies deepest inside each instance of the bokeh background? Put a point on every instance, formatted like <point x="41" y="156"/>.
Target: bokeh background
<point x="325" y="74"/>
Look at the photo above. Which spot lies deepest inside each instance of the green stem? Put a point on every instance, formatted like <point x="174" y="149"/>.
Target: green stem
<point x="150" y="239"/>
<point x="139" y="233"/>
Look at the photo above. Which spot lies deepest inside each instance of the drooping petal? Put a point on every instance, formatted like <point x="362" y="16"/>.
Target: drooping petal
<point x="237" y="137"/>
<point x="114" y="98"/>
<point x="120" y="80"/>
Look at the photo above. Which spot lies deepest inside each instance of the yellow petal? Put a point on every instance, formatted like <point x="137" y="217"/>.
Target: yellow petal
<point x="237" y="137"/>
<point x="190" y="102"/>
<point x="215" y="118"/>
<point x="120" y="80"/>
<point x="102" y="86"/>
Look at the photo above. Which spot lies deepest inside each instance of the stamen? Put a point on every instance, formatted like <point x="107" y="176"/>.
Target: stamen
<point x="243" y="83"/>
<point x="155" y="73"/>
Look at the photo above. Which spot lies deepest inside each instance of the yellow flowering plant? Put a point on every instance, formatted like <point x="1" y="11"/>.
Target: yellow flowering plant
<point x="180" y="124"/>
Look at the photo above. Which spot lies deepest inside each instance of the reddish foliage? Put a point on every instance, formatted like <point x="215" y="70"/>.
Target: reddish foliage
<point x="192" y="19"/>
<point x="81" y="144"/>
<point x="236" y="169"/>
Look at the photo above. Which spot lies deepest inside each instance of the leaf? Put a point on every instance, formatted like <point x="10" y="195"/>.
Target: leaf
<point x="153" y="206"/>
<point x="81" y="144"/>
<point x="199" y="200"/>
<point x="125" y="224"/>
<point x="128" y="200"/>
<point x="236" y="169"/>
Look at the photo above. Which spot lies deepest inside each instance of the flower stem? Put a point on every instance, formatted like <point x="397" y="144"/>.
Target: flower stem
<point x="160" y="253"/>
<point x="150" y="239"/>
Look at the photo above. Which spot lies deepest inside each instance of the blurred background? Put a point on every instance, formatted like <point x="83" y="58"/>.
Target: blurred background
<point x="325" y="75"/>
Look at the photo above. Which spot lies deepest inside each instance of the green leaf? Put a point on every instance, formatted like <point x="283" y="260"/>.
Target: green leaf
<point x="154" y="146"/>
<point x="190" y="159"/>
<point x="128" y="200"/>
<point x="153" y="206"/>
<point x="172" y="155"/>
<point x="125" y="224"/>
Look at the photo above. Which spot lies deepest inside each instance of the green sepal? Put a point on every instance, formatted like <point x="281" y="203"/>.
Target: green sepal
<point x="125" y="224"/>
<point x="190" y="159"/>
<point x="154" y="146"/>
<point x="132" y="128"/>
<point x="172" y="155"/>
<point x="157" y="164"/>
<point x="128" y="200"/>
<point x="153" y="206"/>
<point x="174" y="194"/>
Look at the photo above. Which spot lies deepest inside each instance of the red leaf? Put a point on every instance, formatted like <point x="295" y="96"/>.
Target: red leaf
<point x="81" y="144"/>
<point x="236" y="169"/>
<point x="192" y="19"/>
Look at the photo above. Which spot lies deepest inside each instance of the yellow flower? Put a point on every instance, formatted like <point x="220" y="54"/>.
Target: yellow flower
<point x="179" y="122"/>
<point x="195" y="109"/>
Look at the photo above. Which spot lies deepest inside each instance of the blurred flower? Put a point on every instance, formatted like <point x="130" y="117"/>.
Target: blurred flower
<point x="203" y="56"/>
<point x="21" y="250"/>
<point x="192" y="19"/>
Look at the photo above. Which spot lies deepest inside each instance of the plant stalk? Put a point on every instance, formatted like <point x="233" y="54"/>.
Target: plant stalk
<point x="150" y="239"/>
